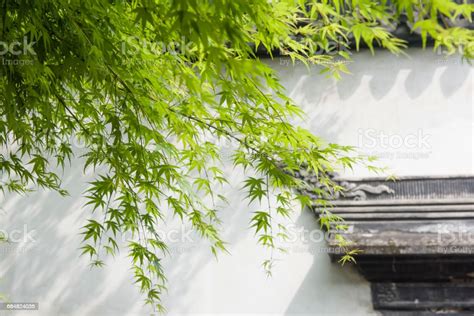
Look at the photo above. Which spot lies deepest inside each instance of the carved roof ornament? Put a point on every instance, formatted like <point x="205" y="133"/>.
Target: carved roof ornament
<point x="349" y="190"/>
<point x="360" y="191"/>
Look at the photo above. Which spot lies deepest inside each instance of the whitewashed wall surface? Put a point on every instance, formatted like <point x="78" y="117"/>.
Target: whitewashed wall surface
<point x="415" y="112"/>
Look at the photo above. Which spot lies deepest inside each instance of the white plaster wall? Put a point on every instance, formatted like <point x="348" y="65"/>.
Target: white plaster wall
<point x="49" y="270"/>
<point x="385" y="94"/>
<point x="415" y="113"/>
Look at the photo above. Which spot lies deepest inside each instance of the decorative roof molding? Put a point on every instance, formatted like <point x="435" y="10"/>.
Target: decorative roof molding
<point x="416" y="237"/>
<point x="360" y="191"/>
<point x="402" y="30"/>
<point x="349" y="190"/>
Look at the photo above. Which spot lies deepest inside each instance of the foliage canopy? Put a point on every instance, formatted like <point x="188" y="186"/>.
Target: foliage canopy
<point x="143" y="83"/>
